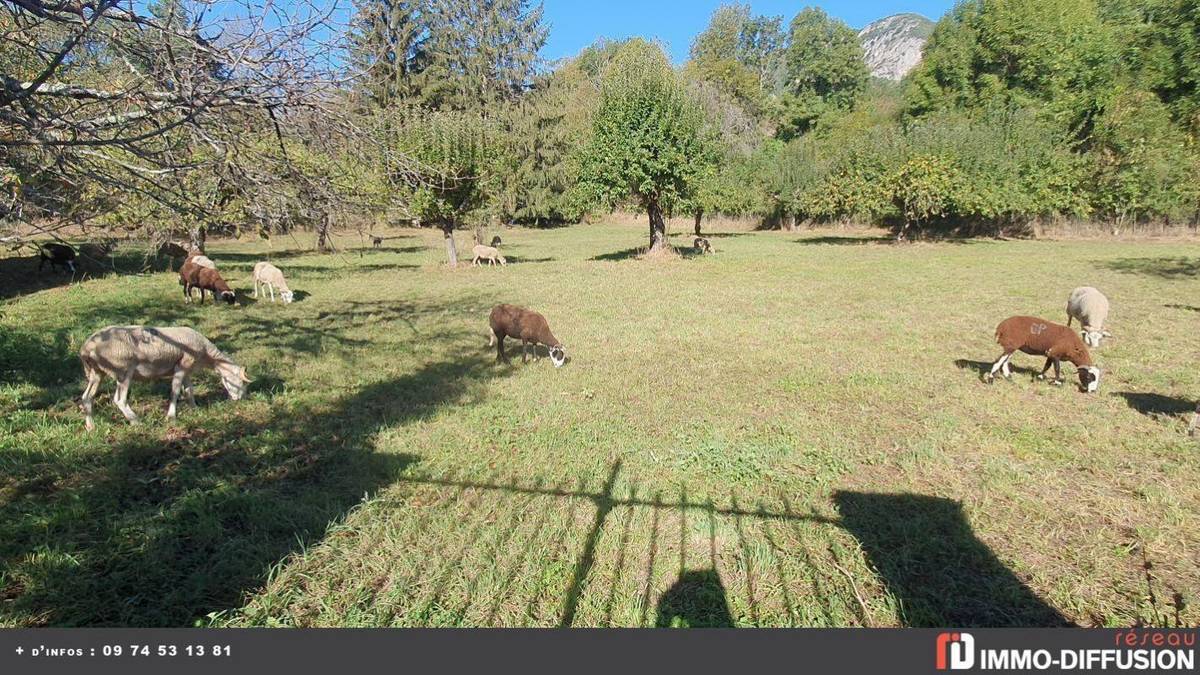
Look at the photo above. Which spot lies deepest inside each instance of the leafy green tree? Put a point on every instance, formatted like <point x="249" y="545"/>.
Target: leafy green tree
<point x="740" y="53"/>
<point x="825" y="70"/>
<point x="647" y="142"/>
<point x="452" y="177"/>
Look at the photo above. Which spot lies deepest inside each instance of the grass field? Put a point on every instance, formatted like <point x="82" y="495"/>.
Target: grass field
<point x="790" y="432"/>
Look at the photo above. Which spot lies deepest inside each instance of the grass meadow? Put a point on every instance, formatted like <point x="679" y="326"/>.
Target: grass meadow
<point x="790" y="432"/>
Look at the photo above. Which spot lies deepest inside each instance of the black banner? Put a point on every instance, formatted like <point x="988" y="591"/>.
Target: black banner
<point x="226" y="651"/>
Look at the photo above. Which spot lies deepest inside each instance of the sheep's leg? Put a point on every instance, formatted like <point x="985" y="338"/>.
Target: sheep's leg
<point x="1195" y="419"/>
<point x="256" y="288"/>
<point x="187" y="389"/>
<point x="1058" y="372"/>
<point x="121" y="397"/>
<point x="491" y="337"/>
<point x="1000" y="363"/>
<point x="500" y="348"/>
<point x="524" y="351"/>
<point x="1046" y="368"/>
<point x="89" y="395"/>
<point x="1006" y="368"/>
<point x="176" y="387"/>
<point x="271" y="288"/>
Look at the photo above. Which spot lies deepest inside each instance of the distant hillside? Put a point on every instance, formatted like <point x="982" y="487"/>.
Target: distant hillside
<point x="893" y="44"/>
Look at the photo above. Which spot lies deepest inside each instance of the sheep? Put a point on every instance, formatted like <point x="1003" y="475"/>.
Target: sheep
<point x="201" y="260"/>
<point x="192" y="276"/>
<point x="528" y="327"/>
<point x="376" y="242"/>
<point x="56" y="254"/>
<point x="98" y="250"/>
<point x="703" y="245"/>
<point x="495" y="242"/>
<point x="1055" y="341"/>
<point x="173" y="249"/>
<point x="1091" y="308"/>
<point x="488" y="253"/>
<point x="127" y="353"/>
<point x="271" y="277"/>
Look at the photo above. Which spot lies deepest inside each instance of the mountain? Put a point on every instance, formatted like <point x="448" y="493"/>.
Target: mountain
<point x="892" y="45"/>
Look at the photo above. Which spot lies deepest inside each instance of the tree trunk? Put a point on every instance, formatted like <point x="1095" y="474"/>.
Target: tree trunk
<point x="451" y="252"/>
<point x="197" y="236"/>
<point x="323" y="234"/>
<point x="658" y="228"/>
<point x="479" y="235"/>
<point x="699" y="217"/>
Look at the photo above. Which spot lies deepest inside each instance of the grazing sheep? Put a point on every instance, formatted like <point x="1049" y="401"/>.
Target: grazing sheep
<point x="127" y="353"/>
<point x="99" y="250"/>
<point x="495" y="242"/>
<point x="703" y="245"/>
<point x="488" y="253"/>
<point x="1054" y="341"/>
<point x="1091" y="308"/>
<point x="376" y="242"/>
<point x="173" y="249"/>
<point x="192" y="276"/>
<point x="56" y="255"/>
<point x="201" y="260"/>
<point x="528" y="327"/>
<point x="271" y="277"/>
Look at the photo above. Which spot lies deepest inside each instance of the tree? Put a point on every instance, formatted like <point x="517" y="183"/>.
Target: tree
<point x="825" y="69"/>
<point x="389" y="47"/>
<point x="647" y="141"/>
<point x="108" y="109"/>
<point x="453" y="177"/>
<point x="446" y="54"/>
<point x="740" y="53"/>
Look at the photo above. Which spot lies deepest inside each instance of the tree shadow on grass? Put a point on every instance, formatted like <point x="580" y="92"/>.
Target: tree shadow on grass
<point x="19" y="275"/>
<point x="1156" y="405"/>
<point x="1189" y="308"/>
<point x="638" y="252"/>
<point x="1163" y="268"/>
<point x="162" y="524"/>
<point x="943" y="575"/>
<point x="831" y="240"/>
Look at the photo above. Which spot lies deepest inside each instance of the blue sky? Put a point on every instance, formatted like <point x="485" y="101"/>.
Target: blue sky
<point x="575" y="24"/>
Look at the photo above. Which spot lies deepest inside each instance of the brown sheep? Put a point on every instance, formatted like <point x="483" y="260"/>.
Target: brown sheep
<point x="528" y="327"/>
<point x="192" y="276"/>
<point x="1054" y="341"/>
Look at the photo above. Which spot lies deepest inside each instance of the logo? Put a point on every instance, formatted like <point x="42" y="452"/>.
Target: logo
<point x="955" y="651"/>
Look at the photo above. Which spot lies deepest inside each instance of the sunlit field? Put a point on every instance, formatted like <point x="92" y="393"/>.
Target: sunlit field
<point x="790" y="432"/>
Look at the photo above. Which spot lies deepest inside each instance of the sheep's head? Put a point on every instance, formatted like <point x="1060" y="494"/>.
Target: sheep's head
<point x="234" y="378"/>
<point x="228" y="296"/>
<point x="1092" y="337"/>
<point x="288" y="296"/>
<point x="502" y="260"/>
<point x="558" y="355"/>
<point x="1089" y="378"/>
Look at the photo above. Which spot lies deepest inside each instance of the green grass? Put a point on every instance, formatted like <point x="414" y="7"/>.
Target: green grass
<point x="790" y="432"/>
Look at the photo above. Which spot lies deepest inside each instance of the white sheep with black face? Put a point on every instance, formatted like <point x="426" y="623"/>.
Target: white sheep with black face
<point x="128" y="353"/>
<point x="1090" y="307"/>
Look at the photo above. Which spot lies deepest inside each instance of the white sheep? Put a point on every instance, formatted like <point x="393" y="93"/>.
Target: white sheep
<point x="201" y="260"/>
<point x="128" y="353"/>
<point x="271" y="277"/>
<point x="1090" y="307"/>
<point x="488" y="253"/>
